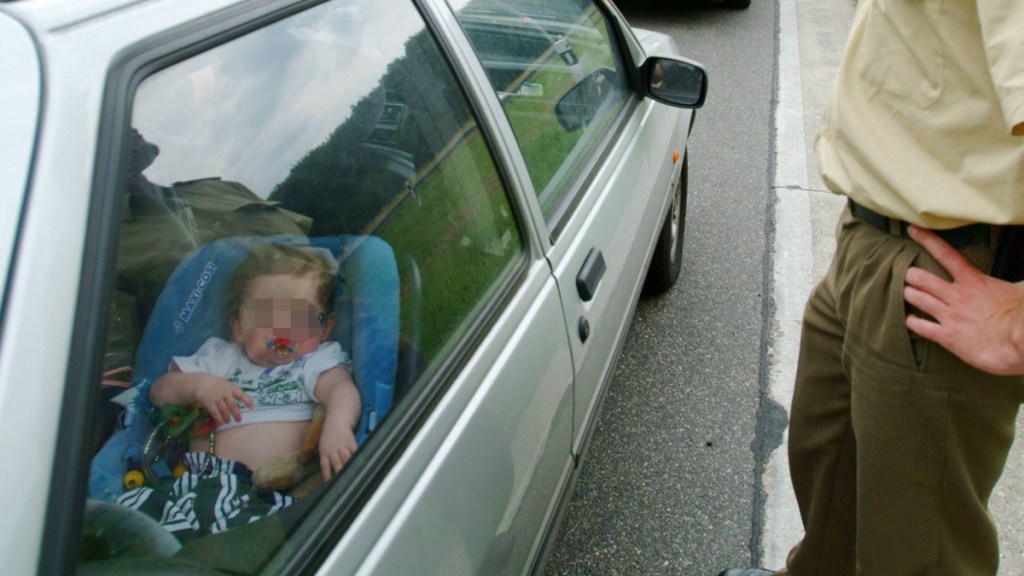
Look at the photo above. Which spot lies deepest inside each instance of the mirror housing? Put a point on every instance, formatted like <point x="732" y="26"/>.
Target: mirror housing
<point x="674" y="81"/>
<point x="577" y="107"/>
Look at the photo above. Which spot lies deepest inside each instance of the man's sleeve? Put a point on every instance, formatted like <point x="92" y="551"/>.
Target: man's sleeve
<point x="1002" y="25"/>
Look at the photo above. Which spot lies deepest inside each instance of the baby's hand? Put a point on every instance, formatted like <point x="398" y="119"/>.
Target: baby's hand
<point x="220" y="399"/>
<point x="337" y="445"/>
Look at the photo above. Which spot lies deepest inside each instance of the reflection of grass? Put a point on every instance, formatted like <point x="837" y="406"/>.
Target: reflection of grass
<point x="544" y="144"/>
<point x="459" y="210"/>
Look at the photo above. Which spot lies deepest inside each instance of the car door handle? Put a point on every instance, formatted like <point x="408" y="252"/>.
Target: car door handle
<point x="589" y="277"/>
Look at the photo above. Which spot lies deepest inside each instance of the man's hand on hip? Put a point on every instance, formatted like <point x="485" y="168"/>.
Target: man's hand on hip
<point x="976" y="317"/>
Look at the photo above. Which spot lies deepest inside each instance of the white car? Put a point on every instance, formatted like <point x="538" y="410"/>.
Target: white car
<point x="498" y="180"/>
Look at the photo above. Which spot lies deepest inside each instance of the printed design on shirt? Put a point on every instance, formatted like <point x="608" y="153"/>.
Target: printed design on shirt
<point x="281" y="385"/>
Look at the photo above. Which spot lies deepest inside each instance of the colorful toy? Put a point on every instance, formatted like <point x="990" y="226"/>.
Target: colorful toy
<point x="133" y="479"/>
<point x="170" y="439"/>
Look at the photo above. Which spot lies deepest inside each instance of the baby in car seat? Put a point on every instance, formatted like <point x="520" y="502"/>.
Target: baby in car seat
<point x="259" y="391"/>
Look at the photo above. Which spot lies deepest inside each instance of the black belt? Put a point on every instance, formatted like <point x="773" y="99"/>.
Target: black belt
<point x="970" y="235"/>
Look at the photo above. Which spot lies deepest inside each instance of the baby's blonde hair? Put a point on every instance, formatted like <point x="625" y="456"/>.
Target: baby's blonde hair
<point x="284" y="260"/>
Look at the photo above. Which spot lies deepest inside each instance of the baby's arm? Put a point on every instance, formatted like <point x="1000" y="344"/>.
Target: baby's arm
<point x="218" y="396"/>
<point x="337" y="392"/>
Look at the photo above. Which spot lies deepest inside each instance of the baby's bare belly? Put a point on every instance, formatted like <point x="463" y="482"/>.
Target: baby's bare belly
<point x="255" y="444"/>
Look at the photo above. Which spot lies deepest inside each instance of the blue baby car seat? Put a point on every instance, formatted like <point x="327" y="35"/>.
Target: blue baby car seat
<point x="193" y="307"/>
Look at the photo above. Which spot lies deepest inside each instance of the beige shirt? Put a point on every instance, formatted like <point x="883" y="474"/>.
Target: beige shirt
<point x="926" y="121"/>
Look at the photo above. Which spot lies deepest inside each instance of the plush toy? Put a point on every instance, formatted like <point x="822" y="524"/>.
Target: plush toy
<point x="299" y="471"/>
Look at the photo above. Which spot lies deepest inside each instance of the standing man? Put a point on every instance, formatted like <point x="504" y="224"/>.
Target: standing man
<point x="896" y="443"/>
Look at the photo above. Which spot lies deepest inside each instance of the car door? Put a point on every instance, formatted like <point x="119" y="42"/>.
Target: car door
<point x="603" y="242"/>
<point x="476" y="487"/>
<point x="601" y="162"/>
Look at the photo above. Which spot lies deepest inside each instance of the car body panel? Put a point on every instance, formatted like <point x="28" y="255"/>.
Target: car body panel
<point x="38" y="315"/>
<point x="655" y="42"/>
<point x="22" y="94"/>
<point x="51" y="242"/>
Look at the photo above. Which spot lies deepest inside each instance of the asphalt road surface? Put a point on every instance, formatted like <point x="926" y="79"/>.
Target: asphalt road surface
<point x="670" y="482"/>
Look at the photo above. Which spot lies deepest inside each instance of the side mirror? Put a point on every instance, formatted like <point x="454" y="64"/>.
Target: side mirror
<point x="577" y="107"/>
<point x="675" y="81"/>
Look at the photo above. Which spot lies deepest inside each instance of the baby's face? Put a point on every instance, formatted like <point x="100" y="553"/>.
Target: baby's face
<point x="279" y="320"/>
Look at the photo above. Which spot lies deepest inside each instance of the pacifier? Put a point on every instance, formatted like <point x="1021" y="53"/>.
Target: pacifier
<point x="282" y="347"/>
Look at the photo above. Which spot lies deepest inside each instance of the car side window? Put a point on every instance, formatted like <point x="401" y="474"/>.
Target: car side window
<point x="560" y="78"/>
<point x="337" y="139"/>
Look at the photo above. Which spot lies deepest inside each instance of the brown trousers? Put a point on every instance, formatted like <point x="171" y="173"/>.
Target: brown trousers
<point x="895" y="445"/>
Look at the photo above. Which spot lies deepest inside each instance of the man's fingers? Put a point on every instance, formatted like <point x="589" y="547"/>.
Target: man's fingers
<point x="925" y="328"/>
<point x="924" y="300"/>
<point x="946" y="255"/>
<point x="925" y="281"/>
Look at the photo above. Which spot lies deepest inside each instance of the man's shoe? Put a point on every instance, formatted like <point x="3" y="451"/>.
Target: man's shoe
<point x="746" y="572"/>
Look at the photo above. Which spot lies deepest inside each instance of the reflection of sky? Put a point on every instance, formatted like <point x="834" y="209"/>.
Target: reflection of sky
<point x="249" y="110"/>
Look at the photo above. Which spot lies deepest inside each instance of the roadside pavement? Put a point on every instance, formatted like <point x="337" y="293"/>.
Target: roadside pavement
<point x="812" y="34"/>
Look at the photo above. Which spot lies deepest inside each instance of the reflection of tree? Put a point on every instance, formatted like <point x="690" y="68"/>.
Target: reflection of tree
<point x="371" y="157"/>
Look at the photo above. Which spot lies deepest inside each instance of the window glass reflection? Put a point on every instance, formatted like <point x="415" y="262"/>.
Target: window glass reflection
<point x="549" y="60"/>
<point x="341" y="130"/>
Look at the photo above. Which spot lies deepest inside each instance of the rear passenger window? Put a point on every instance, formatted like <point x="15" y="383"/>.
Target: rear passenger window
<point x="558" y="73"/>
<point x="309" y="207"/>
